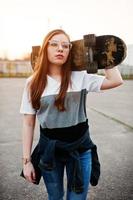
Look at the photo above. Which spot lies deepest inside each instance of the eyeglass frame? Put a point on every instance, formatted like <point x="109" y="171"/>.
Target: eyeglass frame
<point x="57" y="42"/>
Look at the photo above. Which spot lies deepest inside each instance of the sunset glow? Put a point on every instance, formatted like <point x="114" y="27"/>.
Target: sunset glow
<point x="25" y="23"/>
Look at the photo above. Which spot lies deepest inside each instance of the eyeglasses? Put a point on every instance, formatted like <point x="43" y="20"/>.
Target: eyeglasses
<point x="55" y="44"/>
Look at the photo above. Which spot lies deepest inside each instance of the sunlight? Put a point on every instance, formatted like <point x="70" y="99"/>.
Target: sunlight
<point x="25" y="23"/>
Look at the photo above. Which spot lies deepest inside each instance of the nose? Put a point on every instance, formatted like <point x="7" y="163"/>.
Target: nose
<point x="60" y="49"/>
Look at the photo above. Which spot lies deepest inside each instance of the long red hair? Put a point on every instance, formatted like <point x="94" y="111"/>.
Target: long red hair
<point x="39" y="79"/>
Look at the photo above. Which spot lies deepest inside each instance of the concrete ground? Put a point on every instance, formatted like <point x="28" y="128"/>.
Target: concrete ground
<point x="110" y="115"/>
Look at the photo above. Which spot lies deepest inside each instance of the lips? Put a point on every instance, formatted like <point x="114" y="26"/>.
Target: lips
<point x="59" y="56"/>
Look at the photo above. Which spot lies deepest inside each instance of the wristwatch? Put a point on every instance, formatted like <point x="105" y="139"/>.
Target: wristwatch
<point x="26" y="160"/>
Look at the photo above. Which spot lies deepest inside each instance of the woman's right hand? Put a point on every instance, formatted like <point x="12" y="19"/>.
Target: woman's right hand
<point x="29" y="172"/>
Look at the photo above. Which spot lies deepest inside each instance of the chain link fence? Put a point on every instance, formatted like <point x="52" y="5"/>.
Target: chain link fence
<point x="15" y="68"/>
<point x="24" y="69"/>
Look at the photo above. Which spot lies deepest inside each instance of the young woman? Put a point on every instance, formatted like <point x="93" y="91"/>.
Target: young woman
<point x="57" y="96"/>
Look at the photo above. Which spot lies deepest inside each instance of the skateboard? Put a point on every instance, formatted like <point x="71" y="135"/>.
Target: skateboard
<point x="93" y="52"/>
<point x="34" y="55"/>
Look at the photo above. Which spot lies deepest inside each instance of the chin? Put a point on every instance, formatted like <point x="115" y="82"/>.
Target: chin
<point x="59" y="63"/>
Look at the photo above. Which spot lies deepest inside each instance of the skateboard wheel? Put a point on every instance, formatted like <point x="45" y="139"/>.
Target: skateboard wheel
<point x="92" y="68"/>
<point x="89" y="40"/>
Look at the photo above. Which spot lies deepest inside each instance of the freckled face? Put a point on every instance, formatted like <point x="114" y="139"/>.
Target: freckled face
<point x="58" y="49"/>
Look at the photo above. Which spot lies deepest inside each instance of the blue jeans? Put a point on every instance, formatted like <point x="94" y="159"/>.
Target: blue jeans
<point x="54" y="179"/>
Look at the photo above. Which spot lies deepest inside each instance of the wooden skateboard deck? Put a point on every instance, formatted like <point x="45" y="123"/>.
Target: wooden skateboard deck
<point x="93" y="52"/>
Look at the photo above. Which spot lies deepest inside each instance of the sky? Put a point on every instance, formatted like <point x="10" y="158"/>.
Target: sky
<point x="24" y="23"/>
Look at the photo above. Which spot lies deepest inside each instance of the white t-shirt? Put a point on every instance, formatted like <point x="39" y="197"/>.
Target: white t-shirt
<point x="48" y="115"/>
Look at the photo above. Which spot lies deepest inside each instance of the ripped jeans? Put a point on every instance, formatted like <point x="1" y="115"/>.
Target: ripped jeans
<point x="54" y="179"/>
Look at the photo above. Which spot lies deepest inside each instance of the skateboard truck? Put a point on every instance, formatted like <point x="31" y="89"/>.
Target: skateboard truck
<point x="89" y="43"/>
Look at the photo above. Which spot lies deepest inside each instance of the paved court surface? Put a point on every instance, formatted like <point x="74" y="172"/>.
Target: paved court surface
<point x="111" y="124"/>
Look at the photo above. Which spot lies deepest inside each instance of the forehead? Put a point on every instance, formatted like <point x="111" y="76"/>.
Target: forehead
<point x="60" y="37"/>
